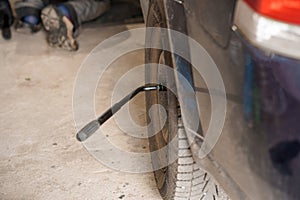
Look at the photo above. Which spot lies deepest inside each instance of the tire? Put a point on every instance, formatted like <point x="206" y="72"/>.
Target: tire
<point x="181" y="179"/>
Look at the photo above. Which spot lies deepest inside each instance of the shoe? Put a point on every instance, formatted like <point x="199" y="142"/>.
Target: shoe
<point x="60" y="29"/>
<point x="6" y="19"/>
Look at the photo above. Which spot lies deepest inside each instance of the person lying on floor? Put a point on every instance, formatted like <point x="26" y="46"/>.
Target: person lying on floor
<point x="60" y="19"/>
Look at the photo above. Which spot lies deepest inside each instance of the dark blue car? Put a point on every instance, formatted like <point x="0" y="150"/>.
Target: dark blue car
<point x="255" y="45"/>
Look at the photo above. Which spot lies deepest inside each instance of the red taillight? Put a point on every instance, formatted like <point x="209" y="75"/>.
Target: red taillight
<point x="283" y="10"/>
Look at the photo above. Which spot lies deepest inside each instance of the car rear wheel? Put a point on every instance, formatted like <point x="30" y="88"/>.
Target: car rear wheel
<point x="181" y="179"/>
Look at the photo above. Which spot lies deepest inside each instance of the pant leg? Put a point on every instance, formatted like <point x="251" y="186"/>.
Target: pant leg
<point x="6" y="15"/>
<point x="29" y="7"/>
<point x="87" y="10"/>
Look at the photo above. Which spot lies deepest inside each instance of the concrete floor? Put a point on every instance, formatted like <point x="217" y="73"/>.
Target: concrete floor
<point x="40" y="157"/>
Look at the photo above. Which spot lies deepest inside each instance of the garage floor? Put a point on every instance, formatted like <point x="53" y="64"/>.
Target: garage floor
<point x="40" y="157"/>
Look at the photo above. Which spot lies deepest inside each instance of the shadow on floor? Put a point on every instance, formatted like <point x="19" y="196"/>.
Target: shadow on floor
<point x="121" y="12"/>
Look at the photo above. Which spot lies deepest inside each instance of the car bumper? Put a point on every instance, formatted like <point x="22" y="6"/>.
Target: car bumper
<point x="271" y="97"/>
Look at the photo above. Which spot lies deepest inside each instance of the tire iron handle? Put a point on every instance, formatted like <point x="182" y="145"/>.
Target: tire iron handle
<point x="94" y="125"/>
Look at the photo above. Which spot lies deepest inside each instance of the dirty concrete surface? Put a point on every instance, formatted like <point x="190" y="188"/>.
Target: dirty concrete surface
<point x="40" y="157"/>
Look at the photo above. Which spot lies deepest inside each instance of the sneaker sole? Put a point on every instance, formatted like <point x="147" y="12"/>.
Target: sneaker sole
<point x="59" y="28"/>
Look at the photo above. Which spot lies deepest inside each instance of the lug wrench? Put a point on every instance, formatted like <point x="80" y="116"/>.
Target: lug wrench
<point x="94" y="125"/>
